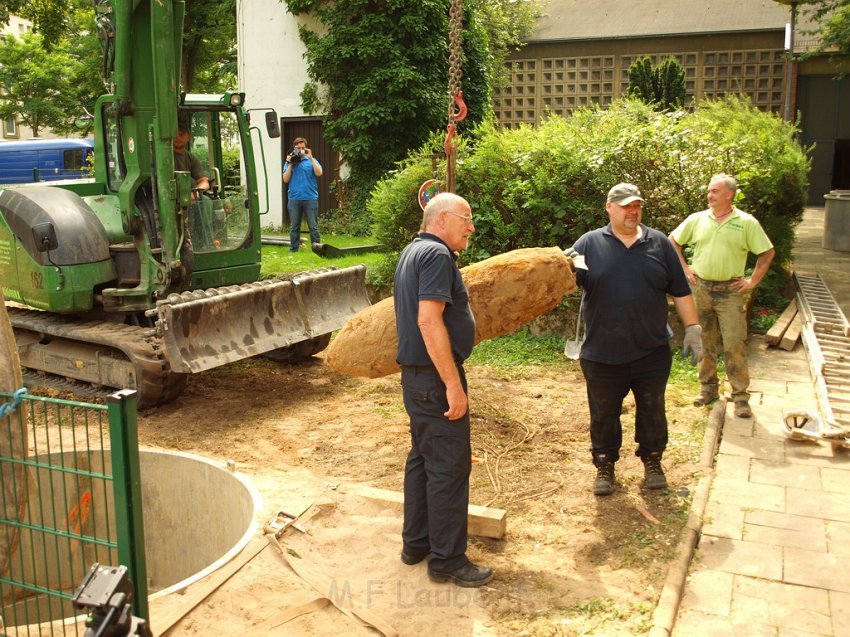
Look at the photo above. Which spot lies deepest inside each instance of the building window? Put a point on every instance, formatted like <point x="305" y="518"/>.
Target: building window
<point x="10" y="128"/>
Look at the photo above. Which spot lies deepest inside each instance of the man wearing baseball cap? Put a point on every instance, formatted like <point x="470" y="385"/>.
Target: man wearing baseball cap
<point x="630" y="270"/>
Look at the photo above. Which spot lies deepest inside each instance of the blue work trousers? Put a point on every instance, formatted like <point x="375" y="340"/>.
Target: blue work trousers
<point x="436" y="476"/>
<point x="299" y="209"/>
<point x="607" y="386"/>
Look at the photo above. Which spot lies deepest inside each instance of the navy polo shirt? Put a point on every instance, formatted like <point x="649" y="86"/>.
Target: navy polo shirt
<point x="427" y="270"/>
<point x="625" y="303"/>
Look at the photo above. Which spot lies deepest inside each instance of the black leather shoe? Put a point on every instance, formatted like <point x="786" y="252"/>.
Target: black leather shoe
<point x="468" y="576"/>
<point x="412" y="558"/>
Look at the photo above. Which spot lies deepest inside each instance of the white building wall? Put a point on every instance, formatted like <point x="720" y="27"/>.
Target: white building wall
<point x="272" y="72"/>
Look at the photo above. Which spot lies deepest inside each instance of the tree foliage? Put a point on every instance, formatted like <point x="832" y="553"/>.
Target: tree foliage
<point x="51" y="18"/>
<point x="833" y="20"/>
<point x="379" y="74"/>
<point x="62" y="59"/>
<point x="663" y="86"/>
<point x="546" y="185"/>
<point x="84" y="47"/>
<point x="507" y="23"/>
<point x="209" y="46"/>
<point x="63" y="64"/>
<point x="39" y="89"/>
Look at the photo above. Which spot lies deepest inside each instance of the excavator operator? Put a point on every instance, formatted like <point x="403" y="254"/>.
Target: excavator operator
<point x="187" y="162"/>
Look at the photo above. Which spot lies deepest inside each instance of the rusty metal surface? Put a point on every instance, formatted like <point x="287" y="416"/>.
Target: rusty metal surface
<point x="67" y="353"/>
<point x="206" y="329"/>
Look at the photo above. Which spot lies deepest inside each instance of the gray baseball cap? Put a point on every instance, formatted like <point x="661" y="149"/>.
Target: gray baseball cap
<point x="624" y="194"/>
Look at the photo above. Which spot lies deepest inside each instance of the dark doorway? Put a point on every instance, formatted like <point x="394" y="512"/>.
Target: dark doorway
<point x="841" y="165"/>
<point x="311" y="129"/>
<point x="824" y="105"/>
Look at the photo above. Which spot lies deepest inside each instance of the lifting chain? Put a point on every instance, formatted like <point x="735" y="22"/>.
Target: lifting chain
<point x="457" y="107"/>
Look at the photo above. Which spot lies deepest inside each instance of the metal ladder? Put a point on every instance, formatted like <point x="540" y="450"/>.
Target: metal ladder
<point x="826" y="337"/>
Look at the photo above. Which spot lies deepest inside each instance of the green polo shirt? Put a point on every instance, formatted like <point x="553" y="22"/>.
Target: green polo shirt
<point x="720" y="250"/>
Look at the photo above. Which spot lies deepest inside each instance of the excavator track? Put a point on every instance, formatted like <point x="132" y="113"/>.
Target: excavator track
<point x="93" y="357"/>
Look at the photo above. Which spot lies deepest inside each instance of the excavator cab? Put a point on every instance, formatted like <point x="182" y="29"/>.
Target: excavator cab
<point x="136" y="280"/>
<point x="219" y="218"/>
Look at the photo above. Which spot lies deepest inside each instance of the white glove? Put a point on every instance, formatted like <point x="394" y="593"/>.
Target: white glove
<point x="692" y="343"/>
<point x="571" y="253"/>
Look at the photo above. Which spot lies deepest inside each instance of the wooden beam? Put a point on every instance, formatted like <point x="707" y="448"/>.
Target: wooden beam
<point x="482" y="521"/>
<point x="792" y="334"/>
<point x="775" y="333"/>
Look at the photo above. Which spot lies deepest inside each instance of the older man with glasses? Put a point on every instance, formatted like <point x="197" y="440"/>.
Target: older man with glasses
<point x="436" y="332"/>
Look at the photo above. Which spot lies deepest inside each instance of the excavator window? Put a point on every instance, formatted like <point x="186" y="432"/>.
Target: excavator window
<point x="219" y="220"/>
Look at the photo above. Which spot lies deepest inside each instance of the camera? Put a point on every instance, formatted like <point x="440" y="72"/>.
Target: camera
<point x="296" y="155"/>
<point x="106" y="594"/>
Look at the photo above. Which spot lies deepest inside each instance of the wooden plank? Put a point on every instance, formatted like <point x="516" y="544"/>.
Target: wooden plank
<point x="481" y="521"/>
<point x="792" y="334"/>
<point x="774" y="334"/>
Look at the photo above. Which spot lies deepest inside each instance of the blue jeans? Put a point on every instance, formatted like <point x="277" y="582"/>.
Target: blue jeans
<point x="297" y="210"/>
<point x="607" y="386"/>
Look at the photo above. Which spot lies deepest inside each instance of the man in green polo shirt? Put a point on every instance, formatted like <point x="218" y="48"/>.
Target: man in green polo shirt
<point x="722" y="237"/>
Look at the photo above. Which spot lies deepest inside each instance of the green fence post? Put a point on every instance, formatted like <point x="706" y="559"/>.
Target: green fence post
<point x="127" y="487"/>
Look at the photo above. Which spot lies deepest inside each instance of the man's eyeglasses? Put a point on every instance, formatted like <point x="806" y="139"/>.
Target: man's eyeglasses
<point x="466" y="218"/>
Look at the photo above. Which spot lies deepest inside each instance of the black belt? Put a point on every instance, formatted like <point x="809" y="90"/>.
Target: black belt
<point x="420" y="368"/>
<point x="426" y="368"/>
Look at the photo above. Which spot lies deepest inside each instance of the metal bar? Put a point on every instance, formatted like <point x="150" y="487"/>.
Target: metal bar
<point x="63" y="457"/>
<point x="127" y="489"/>
<point x="809" y="339"/>
<point x="824" y="334"/>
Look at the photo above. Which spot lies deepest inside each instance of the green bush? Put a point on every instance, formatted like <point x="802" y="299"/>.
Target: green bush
<point x="346" y="220"/>
<point x="546" y="185"/>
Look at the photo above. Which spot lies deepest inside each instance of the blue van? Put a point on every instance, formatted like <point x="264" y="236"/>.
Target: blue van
<point x="44" y="160"/>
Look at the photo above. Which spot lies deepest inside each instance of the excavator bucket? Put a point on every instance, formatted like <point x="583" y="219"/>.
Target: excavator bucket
<point x="204" y="329"/>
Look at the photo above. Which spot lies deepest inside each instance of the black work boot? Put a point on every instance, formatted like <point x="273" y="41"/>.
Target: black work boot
<point x="604" y="483"/>
<point x="653" y="473"/>
<point x="469" y="575"/>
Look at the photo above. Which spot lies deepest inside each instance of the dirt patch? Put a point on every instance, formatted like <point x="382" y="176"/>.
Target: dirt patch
<point x="570" y="563"/>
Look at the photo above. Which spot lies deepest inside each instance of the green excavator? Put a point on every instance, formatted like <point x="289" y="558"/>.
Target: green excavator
<point x="135" y="279"/>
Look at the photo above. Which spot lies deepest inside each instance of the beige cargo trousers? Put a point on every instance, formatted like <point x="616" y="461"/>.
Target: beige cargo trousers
<point x="722" y="312"/>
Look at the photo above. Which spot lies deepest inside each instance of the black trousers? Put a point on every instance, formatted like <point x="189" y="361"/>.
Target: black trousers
<point x="607" y="386"/>
<point x="436" y="476"/>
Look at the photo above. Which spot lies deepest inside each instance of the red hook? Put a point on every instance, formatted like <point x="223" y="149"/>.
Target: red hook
<point x="451" y="130"/>
<point x="462" y="110"/>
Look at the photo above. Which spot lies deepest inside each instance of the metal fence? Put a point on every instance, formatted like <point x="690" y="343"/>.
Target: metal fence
<point x="69" y="496"/>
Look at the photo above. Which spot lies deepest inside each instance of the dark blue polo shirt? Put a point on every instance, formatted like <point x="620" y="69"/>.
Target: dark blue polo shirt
<point x="427" y="270"/>
<point x="625" y="303"/>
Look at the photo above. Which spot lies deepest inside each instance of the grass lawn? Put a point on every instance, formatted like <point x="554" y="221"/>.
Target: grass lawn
<point x="278" y="260"/>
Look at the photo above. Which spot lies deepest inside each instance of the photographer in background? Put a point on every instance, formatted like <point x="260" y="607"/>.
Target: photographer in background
<point x="300" y="172"/>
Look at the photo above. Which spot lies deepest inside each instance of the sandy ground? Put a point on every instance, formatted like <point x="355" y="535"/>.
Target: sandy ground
<point x="569" y="564"/>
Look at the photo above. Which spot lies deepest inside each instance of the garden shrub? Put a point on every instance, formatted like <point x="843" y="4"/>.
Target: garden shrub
<point x="546" y="185"/>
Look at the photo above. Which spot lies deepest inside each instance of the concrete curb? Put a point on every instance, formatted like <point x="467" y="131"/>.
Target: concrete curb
<point x="664" y="616"/>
